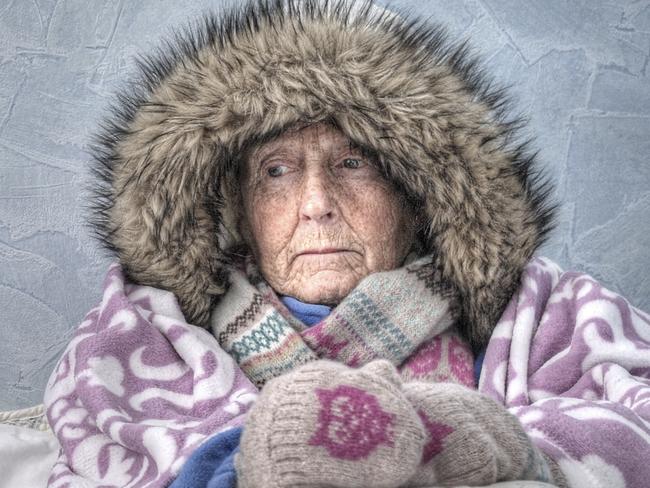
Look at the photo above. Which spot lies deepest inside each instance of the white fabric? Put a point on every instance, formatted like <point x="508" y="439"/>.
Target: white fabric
<point x="26" y="456"/>
<point x="33" y="417"/>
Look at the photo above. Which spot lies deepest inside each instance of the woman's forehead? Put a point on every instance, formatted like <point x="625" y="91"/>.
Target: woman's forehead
<point x="319" y="137"/>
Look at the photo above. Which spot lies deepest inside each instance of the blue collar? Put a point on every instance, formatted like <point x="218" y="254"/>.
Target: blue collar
<point x="309" y="313"/>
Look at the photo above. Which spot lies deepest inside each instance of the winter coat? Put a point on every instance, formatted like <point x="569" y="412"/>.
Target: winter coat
<point x="165" y="202"/>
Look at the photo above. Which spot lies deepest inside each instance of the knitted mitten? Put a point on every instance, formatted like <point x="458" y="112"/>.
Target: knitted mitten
<point x="325" y="424"/>
<point x="472" y="440"/>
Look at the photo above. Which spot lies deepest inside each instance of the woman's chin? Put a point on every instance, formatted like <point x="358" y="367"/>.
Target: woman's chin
<point x="327" y="287"/>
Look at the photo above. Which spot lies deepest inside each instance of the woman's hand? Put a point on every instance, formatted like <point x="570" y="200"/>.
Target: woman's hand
<point x="328" y="424"/>
<point x="472" y="440"/>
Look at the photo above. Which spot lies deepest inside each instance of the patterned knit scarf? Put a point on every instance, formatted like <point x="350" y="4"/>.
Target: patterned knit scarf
<point x="404" y="315"/>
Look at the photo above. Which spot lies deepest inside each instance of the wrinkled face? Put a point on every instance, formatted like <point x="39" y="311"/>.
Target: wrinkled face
<point x="319" y="217"/>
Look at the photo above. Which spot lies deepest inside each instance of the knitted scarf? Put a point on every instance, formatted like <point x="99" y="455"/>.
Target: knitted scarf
<point x="405" y="316"/>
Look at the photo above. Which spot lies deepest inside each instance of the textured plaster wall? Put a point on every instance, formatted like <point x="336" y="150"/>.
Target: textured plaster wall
<point x="578" y="69"/>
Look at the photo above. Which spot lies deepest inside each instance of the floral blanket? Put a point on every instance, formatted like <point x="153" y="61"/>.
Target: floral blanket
<point x="138" y="389"/>
<point x="571" y="360"/>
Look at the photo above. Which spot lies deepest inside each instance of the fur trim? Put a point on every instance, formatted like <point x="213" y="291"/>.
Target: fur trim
<point x="396" y="87"/>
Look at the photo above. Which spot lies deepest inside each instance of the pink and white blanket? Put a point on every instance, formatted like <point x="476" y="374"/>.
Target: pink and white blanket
<point x="138" y="389"/>
<point x="571" y="359"/>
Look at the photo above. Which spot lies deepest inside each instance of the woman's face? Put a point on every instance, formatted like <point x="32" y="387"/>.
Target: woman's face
<point x="319" y="216"/>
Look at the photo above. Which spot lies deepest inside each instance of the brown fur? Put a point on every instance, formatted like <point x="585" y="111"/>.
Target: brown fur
<point x="166" y="197"/>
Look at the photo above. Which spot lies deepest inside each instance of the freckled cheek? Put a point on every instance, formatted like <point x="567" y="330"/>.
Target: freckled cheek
<point x="272" y="221"/>
<point x="377" y="217"/>
<point x="371" y="203"/>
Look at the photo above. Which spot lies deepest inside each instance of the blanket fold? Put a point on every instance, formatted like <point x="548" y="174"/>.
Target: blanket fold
<point x="571" y="359"/>
<point x="137" y="390"/>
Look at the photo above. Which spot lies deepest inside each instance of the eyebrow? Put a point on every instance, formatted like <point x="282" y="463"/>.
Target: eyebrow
<point x="259" y="153"/>
<point x="257" y="157"/>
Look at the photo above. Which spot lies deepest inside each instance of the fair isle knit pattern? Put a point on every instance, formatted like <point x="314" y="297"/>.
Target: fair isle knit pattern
<point x="405" y="316"/>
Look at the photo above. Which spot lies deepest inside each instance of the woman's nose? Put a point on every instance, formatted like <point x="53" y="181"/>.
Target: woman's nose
<point x="317" y="200"/>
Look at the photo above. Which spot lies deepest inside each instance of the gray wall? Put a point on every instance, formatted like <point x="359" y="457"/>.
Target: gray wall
<point x="579" y="70"/>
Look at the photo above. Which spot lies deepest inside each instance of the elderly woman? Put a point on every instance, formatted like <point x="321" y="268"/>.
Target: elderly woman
<point x="327" y="230"/>
<point x="339" y="199"/>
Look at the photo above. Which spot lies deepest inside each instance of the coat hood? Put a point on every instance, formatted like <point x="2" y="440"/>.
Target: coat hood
<point x="164" y="200"/>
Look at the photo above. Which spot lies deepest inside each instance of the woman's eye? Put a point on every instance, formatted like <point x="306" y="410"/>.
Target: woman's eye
<point x="352" y="163"/>
<point x="277" y="170"/>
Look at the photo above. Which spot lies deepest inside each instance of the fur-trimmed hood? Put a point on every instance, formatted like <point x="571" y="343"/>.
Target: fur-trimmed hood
<point x="396" y="87"/>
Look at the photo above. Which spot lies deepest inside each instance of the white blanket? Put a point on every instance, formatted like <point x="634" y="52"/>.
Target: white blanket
<point x="26" y="456"/>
